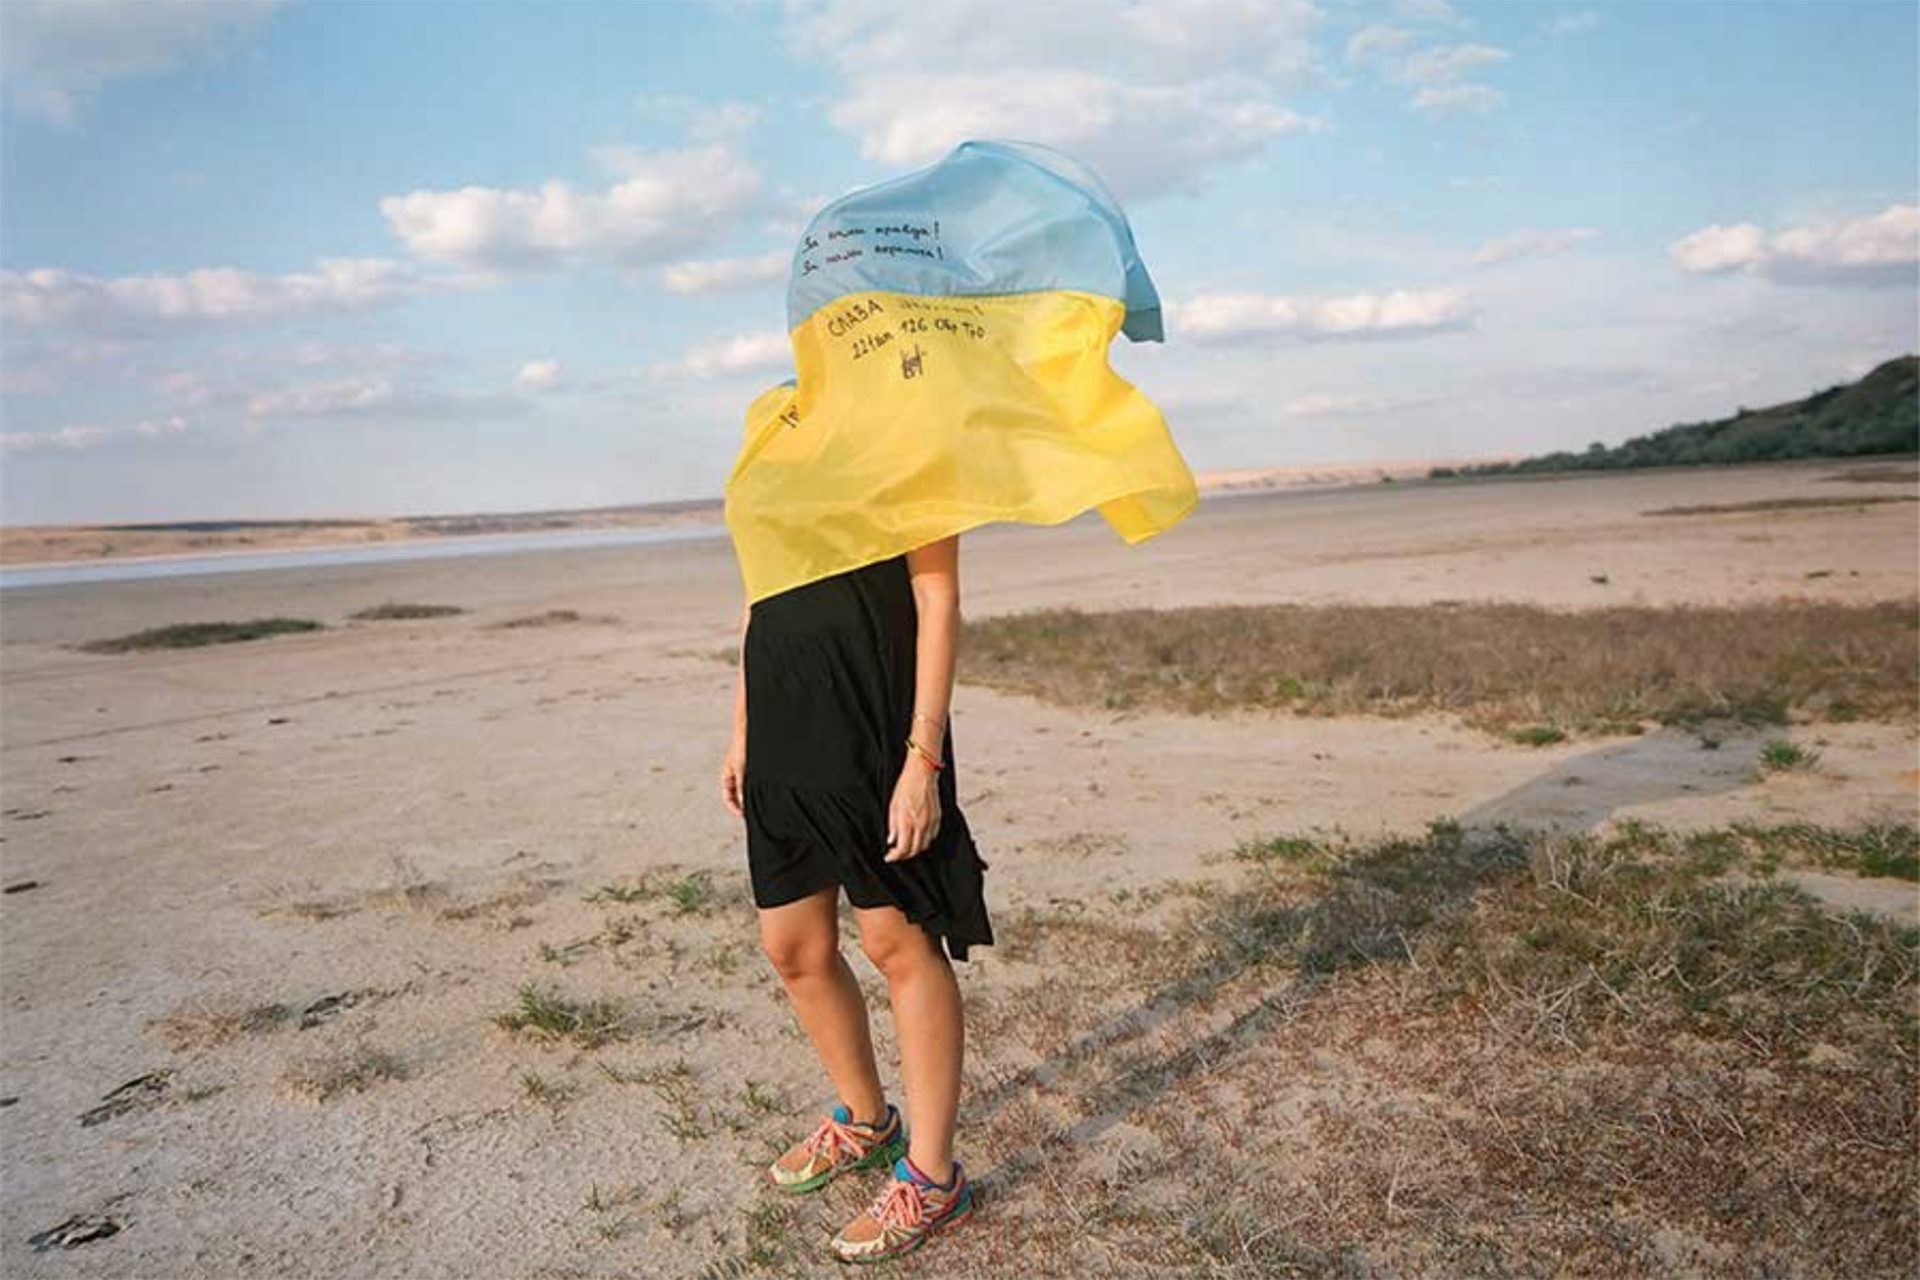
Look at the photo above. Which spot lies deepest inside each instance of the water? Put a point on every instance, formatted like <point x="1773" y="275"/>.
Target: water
<point x="314" y="557"/>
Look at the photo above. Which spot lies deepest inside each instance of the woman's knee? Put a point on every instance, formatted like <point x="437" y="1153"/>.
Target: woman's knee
<point x="801" y="939"/>
<point x="894" y="943"/>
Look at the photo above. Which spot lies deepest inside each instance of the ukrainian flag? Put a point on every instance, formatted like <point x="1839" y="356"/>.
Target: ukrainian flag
<point x="950" y="332"/>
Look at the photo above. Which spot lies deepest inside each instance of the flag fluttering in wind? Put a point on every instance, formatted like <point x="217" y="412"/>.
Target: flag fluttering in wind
<point x="950" y="331"/>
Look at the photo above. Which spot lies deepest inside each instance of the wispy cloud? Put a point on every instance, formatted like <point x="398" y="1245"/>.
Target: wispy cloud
<point x="1223" y="317"/>
<point x="1577" y="23"/>
<point x="1530" y="243"/>
<point x="55" y="55"/>
<point x="53" y="297"/>
<point x="80" y="436"/>
<point x="764" y="351"/>
<point x="1436" y="73"/>
<point x="724" y="274"/>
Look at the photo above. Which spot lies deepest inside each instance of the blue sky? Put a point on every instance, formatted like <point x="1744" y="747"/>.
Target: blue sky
<point x="366" y="257"/>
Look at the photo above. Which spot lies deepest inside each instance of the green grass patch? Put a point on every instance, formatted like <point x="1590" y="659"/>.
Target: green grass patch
<point x="546" y="1016"/>
<point x="691" y="894"/>
<point x="1777" y="755"/>
<point x="1871" y="848"/>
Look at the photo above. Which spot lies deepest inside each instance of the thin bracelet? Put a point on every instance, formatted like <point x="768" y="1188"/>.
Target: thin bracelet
<point x="921" y="715"/>
<point x="922" y="753"/>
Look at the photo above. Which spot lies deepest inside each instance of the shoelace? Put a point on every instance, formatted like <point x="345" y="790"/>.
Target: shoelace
<point x="831" y="1138"/>
<point x="901" y="1204"/>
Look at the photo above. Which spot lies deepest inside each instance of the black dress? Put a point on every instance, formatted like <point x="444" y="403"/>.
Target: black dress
<point x="830" y="669"/>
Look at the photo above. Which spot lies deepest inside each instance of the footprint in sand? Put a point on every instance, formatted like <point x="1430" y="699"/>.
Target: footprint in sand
<point x="142" y="1093"/>
<point x="82" y="1228"/>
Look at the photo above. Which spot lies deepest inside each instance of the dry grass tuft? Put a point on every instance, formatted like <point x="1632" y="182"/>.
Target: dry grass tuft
<point x="1510" y="669"/>
<point x="335" y="1072"/>
<point x="193" y="635"/>
<point x="1463" y="1053"/>
<point x="394" y="610"/>
<point x="1890" y="474"/>
<point x="1779" y="504"/>
<point x="206" y="1024"/>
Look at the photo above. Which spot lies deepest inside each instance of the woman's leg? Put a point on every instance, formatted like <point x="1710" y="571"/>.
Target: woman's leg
<point x="802" y="940"/>
<point x="927" y="1017"/>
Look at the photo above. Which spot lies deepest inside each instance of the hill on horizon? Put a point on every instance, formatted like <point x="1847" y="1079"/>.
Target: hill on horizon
<point x="1878" y="414"/>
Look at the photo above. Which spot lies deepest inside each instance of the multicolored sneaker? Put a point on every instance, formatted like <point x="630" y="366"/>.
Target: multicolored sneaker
<point x="902" y="1217"/>
<point x="836" y="1145"/>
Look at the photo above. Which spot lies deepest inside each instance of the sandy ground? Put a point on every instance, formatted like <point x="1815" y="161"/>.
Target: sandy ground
<point x="412" y="814"/>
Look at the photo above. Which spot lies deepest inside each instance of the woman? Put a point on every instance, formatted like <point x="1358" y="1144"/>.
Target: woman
<point x="841" y="767"/>
<point x="950" y="331"/>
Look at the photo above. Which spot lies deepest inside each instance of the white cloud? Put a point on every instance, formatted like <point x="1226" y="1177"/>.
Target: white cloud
<point x="1377" y="39"/>
<point x="1435" y="72"/>
<point x="1428" y="11"/>
<point x="56" y="54"/>
<point x="539" y="375"/>
<point x="315" y="354"/>
<point x="668" y="203"/>
<point x="724" y="274"/>
<point x="88" y="435"/>
<point x="1444" y="64"/>
<point x="1151" y="95"/>
<point x="1329" y="405"/>
<point x="1138" y="138"/>
<point x="52" y="297"/>
<point x="1403" y="312"/>
<point x="1458" y="97"/>
<point x="1573" y="24"/>
<point x="1531" y="243"/>
<point x="1719" y="248"/>
<point x="1881" y="249"/>
<point x="765" y="351"/>
<point x="379" y="397"/>
<point x="1260" y="37"/>
<point x="322" y="399"/>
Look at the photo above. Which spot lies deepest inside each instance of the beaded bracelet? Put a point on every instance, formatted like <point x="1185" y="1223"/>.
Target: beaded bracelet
<point x="922" y="753"/>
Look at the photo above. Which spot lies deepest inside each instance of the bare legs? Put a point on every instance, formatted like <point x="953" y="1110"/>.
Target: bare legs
<point x="802" y="940"/>
<point x="927" y="1018"/>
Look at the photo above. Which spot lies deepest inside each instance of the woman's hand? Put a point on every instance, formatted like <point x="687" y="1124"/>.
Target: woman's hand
<point x="913" y="819"/>
<point x="732" y="771"/>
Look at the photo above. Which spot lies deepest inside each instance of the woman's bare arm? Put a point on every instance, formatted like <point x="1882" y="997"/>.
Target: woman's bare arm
<point x="733" y="766"/>
<point x="740" y="676"/>
<point x="913" y="816"/>
<point x="935" y="573"/>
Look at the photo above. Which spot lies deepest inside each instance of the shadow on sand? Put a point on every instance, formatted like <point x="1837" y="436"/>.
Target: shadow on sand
<point x="1351" y="924"/>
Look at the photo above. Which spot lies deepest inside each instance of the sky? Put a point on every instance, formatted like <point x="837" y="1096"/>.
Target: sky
<point x="361" y="258"/>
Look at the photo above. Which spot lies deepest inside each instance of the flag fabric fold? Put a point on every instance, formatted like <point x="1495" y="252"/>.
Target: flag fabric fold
<point x="950" y="331"/>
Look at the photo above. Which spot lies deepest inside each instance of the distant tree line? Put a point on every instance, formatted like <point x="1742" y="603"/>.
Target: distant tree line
<point x="1878" y="414"/>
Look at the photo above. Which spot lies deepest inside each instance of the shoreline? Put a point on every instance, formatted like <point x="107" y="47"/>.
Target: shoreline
<point x="1211" y="487"/>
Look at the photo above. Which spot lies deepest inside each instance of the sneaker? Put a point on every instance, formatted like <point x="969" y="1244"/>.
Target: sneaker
<point x="902" y="1217"/>
<point x="835" y="1146"/>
